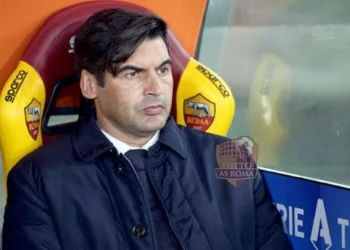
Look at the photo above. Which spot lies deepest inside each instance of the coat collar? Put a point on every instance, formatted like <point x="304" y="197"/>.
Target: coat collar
<point x="170" y="136"/>
<point x="89" y="142"/>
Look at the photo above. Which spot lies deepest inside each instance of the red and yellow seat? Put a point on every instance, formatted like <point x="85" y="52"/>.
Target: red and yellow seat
<point x="44" y="84"/>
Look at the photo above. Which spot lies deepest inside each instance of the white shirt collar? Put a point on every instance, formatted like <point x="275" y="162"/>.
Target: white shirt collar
<point x="122" y="147"/>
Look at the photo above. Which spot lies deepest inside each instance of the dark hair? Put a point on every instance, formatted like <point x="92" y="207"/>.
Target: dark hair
<point x="109" y="37"/>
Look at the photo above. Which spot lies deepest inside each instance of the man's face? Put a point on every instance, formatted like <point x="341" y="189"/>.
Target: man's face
<point x="138" y="100"/>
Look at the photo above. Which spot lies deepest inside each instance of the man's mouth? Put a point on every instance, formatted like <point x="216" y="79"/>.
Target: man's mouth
<point x="153" y="109"/>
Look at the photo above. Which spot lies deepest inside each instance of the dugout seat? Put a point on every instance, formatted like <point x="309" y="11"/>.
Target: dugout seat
<point x="45" y="86"/>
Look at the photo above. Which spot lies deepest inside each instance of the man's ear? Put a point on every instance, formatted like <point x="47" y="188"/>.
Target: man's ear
<point x="88" y="85"/>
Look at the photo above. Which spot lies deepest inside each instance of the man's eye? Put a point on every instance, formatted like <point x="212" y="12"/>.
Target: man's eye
<point x="163" y="70"/>
<point x="132" y="74"/>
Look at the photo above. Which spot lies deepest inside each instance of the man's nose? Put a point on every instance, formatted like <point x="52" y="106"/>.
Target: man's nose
<point x="154" y="86"/>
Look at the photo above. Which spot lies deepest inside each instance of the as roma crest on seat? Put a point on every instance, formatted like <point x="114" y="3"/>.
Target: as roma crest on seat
<point x="32" y="116"/>
<point x="199" y="112"/>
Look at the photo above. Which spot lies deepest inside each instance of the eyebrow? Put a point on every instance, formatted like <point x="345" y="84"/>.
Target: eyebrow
<point x="138" y="69"/>
<point x="167" y="61"/>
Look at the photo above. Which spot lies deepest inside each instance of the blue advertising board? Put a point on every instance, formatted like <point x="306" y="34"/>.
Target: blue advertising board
<point x="315" y="215"/>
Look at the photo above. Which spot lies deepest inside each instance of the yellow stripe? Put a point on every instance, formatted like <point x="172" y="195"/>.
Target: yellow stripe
<point x="204" y="100"/>
<point x="24" y="87"/>
<point x="271" y="82"/>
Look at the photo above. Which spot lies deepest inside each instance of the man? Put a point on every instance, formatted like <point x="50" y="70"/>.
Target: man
<point x="129" y="177"/>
